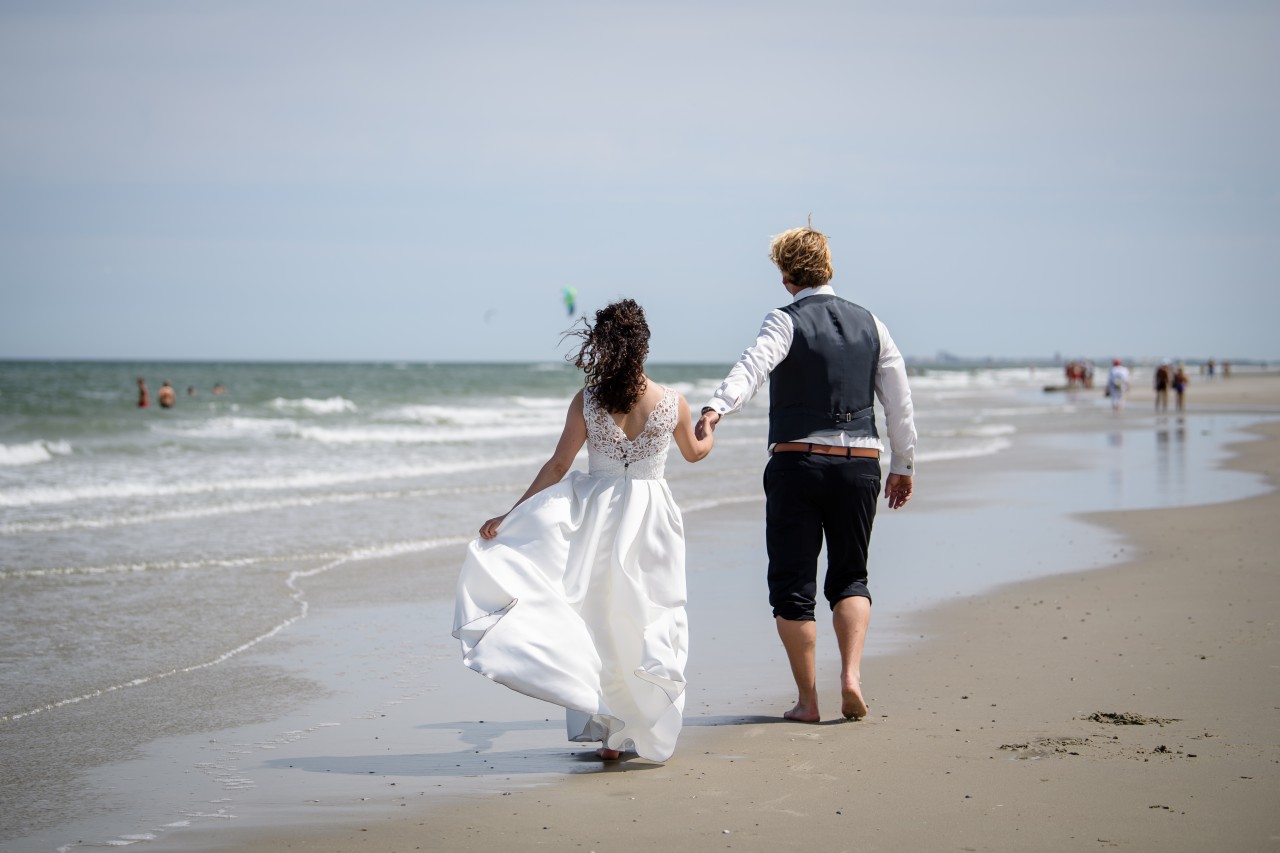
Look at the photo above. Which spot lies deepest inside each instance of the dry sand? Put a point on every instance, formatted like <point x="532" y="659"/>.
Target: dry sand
<point x="1135" y="707"/>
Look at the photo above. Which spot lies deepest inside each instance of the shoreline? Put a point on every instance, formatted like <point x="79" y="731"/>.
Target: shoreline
<point x="979" y="735"/>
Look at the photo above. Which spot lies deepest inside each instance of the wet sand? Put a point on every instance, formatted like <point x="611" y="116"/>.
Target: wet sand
<point x="1132" y="706"/>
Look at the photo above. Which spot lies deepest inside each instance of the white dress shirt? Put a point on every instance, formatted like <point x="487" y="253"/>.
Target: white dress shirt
<point x="772" y="345"/>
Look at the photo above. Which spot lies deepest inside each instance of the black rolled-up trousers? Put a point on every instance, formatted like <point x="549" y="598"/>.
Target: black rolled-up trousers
<point x="809" y="497"/>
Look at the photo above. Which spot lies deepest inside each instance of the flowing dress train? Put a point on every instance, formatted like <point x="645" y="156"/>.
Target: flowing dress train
<point x="580" y="598"/>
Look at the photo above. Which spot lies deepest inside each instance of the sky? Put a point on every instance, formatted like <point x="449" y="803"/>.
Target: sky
<point x="417" y="181"/>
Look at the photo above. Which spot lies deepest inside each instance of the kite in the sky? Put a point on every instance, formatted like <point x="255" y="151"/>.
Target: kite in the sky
<point x="570" y="300"/>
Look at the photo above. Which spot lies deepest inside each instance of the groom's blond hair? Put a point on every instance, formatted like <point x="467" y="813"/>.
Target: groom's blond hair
<point x="803" y="257"/>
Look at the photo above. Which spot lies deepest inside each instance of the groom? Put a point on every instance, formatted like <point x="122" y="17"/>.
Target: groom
<point x="824" y="358"/>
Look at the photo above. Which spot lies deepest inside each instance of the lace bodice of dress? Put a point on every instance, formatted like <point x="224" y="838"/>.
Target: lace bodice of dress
<point x="611" y="454"/>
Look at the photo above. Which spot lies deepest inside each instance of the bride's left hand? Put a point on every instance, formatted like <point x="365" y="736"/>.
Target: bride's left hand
<point x="489" y="529"/>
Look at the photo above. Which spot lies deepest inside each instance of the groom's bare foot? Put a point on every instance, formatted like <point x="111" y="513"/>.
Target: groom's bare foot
<point x="852" y="705"/>
<point x="803" y="713"/>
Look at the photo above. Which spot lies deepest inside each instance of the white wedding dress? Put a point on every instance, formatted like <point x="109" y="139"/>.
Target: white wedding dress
<point x="580" y="598"/>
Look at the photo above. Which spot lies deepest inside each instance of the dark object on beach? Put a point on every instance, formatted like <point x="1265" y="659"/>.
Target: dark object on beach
<point x="1128" y="718"/>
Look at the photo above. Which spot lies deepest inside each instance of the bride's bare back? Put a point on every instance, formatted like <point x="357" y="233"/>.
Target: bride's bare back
<point x="633" y="422"/>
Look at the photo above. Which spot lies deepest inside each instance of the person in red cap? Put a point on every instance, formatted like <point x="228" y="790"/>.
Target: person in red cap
<point x="1117" y="385"/>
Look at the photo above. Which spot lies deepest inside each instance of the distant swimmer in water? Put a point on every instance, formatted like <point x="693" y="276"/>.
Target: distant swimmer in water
<point x="218" y="389"/>
<point x="165" y="395"/>
<point x="143" y="400"/>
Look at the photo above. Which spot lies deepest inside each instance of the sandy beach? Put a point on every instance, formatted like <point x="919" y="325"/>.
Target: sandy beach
<point x="1133" y="706"/>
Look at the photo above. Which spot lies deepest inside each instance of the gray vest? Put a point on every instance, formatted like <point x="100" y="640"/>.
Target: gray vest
<point x="828" y="379"/>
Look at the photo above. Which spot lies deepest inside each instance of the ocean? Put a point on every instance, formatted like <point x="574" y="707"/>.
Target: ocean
<point x="144" y="551"/>
<point x="125" y="518"/>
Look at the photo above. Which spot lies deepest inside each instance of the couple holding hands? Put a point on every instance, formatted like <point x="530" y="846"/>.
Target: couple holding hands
<point x="577" y="595"/>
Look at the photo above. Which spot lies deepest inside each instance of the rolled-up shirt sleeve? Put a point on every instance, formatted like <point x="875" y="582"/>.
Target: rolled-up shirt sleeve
<point x="894" y="395"/>
<point x="771" y="346"/>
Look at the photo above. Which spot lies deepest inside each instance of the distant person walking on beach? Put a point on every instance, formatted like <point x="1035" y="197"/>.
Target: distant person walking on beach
<point x="1162" y="379"/>
<point x="577" y="595"/>
<point x="1117" y="385"/>
<point x="165" y="397"/>
<point x="1180" y="383"/>
<point x="143" y="400"/>
<point x="825" y="360"/>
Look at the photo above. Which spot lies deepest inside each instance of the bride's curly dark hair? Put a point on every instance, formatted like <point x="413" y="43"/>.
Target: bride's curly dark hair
<point x="612" y="354"/>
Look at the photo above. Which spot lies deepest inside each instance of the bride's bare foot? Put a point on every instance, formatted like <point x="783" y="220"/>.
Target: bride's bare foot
<point x="606" y="754"/>
<point x="803" y="713"/>
<point x="852" y="705"/>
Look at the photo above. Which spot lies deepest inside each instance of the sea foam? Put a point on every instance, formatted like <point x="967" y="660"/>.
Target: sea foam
<point x="426" y="435"/>
<point x="33" y="452"/>
<point x="80" y="522"/>
<point x="329" y="406"/>
<point x="231" y="427"/>
<point x="38" y="495"/>
<point x="985" y="448"/>
<point x="976" y="431"/>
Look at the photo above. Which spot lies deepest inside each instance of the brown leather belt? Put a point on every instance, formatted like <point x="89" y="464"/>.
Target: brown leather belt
<point x="825" y="449"/>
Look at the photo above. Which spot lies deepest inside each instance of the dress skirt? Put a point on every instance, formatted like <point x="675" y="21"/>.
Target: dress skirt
<point x="580" y="601"/>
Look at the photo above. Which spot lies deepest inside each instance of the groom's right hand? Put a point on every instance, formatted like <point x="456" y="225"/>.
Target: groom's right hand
<point x="706" y="424"/>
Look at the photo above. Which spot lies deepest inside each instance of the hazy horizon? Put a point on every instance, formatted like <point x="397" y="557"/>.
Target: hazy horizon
<point x="936" y="361"/>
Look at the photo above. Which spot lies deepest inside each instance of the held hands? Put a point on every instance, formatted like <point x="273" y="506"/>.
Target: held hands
<point x="489" y="529"/>
<point x="706" y="424"/>
<point x="897" y="490"/>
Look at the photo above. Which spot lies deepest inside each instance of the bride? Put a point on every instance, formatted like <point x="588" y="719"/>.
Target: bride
<point x="577" y="594"/>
